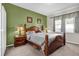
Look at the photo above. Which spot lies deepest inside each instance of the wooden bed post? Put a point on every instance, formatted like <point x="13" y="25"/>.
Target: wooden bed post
<point x="25" y="27"/>
<point x="46" y="45"/>
<point x="64" y="38"/>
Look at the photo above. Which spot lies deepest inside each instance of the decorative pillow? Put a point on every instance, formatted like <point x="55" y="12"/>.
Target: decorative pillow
<point x="37" y="30"/>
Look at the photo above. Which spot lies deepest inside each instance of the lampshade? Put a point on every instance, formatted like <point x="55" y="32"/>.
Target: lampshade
<point x="22" y="28"/>
<point x="22" y="33"/>
<point x="19" y="31"/>
<point x="18" y="28"/>
<point x="16" y="33"/>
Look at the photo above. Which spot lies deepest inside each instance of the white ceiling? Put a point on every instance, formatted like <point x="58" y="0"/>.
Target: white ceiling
<point x="46" y="8"/>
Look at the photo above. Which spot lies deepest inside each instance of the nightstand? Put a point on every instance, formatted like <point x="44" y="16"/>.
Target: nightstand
<point x="18" y="41"/>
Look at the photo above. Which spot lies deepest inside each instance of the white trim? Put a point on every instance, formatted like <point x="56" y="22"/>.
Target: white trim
<point x="10" y="45"/>
<point x="72" y="42"/>
<point x="0" y="29"/>
<point x="65" y="11"/>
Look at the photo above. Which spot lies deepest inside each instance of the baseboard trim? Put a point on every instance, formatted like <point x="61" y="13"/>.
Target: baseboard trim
<point x="72" y="43"/>
<point x="11" y="45"/>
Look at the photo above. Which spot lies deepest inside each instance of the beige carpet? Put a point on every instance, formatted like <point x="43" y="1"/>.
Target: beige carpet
<point x="28" y="50"/>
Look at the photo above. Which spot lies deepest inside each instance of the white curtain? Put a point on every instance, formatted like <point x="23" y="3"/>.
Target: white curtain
<point x="50" y="24"/>
<point x="77" y="23"/>
<point x="58" y="23"/>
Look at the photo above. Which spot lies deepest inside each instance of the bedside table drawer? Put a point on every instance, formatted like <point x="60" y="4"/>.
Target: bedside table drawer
<point x="19" y="41"/>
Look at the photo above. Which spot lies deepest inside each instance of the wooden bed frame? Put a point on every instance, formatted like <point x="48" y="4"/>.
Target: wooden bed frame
<point x="54" y="45"/>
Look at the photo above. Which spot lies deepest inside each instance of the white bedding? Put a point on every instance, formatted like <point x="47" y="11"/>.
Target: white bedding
<point x="39" y="38"/>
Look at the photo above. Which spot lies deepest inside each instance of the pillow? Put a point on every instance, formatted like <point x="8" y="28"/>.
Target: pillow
<point x="30" y="32"/>
<point x="37" y="30"/>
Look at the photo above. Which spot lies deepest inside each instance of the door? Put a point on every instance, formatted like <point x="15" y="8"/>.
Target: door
<point x="0" y="29"/>
<point x="3" y="30"/>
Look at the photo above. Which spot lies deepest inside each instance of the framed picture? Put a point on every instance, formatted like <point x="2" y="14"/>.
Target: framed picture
<point x="29" y="19"/>
<point x="38" y="21"/>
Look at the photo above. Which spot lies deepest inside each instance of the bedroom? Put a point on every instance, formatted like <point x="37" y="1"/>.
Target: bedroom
<point x="48" y="18"/>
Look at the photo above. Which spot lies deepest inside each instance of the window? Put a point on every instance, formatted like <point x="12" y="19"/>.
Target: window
<point x="69" y="25"/>
<point x="66" y="23"/>
<point x="58" y="25"/>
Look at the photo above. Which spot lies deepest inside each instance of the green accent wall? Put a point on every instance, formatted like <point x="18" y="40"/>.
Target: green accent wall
<point x="16" y="16"/>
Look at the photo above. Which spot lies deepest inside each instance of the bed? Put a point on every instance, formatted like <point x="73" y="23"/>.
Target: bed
<point x="45" y="42"/>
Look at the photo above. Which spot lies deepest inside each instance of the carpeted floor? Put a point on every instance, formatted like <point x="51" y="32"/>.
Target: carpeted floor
<point x="28" y="50"/>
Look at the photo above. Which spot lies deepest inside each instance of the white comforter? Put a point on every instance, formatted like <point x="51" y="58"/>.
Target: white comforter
<point x="39" y="38"/>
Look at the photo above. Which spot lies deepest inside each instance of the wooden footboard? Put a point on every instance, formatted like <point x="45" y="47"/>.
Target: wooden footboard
<point x="57" y="43"/>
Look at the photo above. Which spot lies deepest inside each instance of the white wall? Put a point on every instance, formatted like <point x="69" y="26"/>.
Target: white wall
<point x="72" y="38"/>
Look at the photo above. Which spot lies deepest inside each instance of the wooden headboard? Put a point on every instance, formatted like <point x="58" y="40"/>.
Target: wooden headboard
<point x="33" y="28"/>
